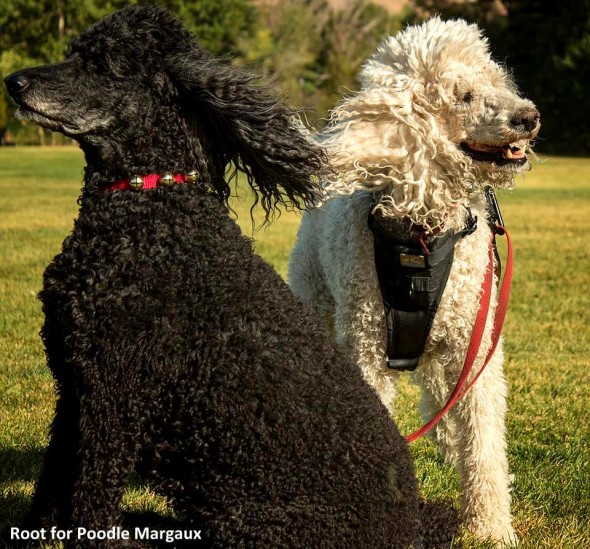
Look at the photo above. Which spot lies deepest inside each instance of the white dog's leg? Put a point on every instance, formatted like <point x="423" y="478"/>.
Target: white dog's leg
<point x="435" y="391"/>
<point x="482" y="455"/>
<point x="359" y="330"/>
<point x="306" y="275"/>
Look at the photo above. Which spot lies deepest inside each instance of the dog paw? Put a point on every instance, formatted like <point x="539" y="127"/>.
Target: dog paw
<point x="501" y="536"/>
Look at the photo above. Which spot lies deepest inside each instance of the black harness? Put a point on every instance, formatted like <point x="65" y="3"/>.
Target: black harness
<point x="412" y="278"/>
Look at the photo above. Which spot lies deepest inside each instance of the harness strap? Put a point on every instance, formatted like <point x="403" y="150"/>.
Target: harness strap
<point x="412" y="279"/>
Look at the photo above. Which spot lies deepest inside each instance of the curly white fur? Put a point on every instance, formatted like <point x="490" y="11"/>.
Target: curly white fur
<point x="435" y="121"/>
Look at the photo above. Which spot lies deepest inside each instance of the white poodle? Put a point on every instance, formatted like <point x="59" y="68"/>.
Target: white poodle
<point x="435" y="122"/>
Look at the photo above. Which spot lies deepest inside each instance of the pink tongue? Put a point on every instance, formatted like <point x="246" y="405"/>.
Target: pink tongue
<point x="484" y="148"/>
<point x="507" y="152"/>
<point x="513" y="152"/>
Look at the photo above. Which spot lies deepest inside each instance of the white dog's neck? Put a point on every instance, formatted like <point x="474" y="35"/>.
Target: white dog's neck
<point x="431" y="218"/>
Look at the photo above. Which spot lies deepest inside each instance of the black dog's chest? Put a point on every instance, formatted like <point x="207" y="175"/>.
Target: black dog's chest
<point x="146" y="279"/>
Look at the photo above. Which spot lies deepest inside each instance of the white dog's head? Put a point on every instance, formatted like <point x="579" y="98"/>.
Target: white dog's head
<point x="435" y="120"/>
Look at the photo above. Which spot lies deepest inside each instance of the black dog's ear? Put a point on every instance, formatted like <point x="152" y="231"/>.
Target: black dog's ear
<point x="257" y="133"/>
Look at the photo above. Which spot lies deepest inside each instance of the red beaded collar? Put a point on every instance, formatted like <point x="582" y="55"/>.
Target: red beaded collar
<point x="151" y="181"/>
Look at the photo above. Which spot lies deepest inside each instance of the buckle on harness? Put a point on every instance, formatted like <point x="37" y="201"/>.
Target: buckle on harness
<point x="412" y="260"/>
<point x="403" y="364"/>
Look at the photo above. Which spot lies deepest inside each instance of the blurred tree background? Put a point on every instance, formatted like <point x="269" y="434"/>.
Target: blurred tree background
<point x="313" y="49"/>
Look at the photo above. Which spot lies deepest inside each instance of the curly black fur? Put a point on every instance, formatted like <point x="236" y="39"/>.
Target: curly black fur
<point x="177" y="352"/>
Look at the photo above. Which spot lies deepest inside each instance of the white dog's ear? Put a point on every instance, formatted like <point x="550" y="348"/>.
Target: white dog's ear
<point x="384" y="142"/>
<point x="372" y="138"/>
<point x="254" y="131"/>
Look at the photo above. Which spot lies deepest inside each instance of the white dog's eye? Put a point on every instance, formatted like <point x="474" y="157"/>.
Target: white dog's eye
<point x="466" y="97"/>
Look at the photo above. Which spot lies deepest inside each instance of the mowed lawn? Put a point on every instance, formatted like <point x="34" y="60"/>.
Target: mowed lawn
<point x="547" y="339"/>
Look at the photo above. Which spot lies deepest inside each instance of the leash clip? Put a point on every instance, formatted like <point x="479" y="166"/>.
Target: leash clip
<point x="496" y="220"/>
<point x="471" y="223"/>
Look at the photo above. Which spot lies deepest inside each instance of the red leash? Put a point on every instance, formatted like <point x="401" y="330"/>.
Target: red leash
<point x="478" y="329"/>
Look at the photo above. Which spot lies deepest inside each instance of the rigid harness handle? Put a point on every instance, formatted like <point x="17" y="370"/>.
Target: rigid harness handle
<point x="477" y="334"/>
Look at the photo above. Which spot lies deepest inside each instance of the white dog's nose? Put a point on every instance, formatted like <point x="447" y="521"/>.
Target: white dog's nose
<point x="525" y="120"/>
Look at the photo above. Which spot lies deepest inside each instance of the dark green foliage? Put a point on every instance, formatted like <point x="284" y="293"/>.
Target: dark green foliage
<point x="40" y="29"/>
<point x="219" y="24"/>
<point x="552" y="66"/>
<point x="349" y="37"/>
<point x="315" y="52"/>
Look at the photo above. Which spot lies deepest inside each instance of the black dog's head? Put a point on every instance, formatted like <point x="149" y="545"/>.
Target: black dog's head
<point x="139" y="95"/>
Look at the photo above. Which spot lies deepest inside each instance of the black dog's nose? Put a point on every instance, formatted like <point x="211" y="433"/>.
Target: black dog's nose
<point x="526" y="119"/>
<point x="16" y="83"/>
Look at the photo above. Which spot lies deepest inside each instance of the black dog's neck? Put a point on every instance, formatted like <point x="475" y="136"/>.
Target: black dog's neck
<point x="169" y="142"/>
<point x="111" y="160"/>
<point x="109" y="172"/>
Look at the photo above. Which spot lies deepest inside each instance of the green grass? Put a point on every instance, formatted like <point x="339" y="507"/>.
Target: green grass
<point x="546" y="334"/>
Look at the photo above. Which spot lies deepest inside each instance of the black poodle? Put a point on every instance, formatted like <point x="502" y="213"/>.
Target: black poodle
<point x="178" y="353"/>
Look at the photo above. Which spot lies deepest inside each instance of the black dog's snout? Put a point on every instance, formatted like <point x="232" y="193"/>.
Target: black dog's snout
<point x="526" y="119"/>
<point x="16" y="83"/>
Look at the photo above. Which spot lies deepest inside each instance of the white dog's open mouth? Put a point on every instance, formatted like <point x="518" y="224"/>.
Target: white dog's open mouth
<point x="509" y="153"/>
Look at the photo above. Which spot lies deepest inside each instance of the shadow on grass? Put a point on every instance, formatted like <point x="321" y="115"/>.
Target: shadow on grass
<point x="441" y="524"/>
<point x="16" y="465"/>
<point x="440" y="519"/>
<point x="12" y="510"/>
<point x="23" y="465"/>
<point x="20" y="464"/>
